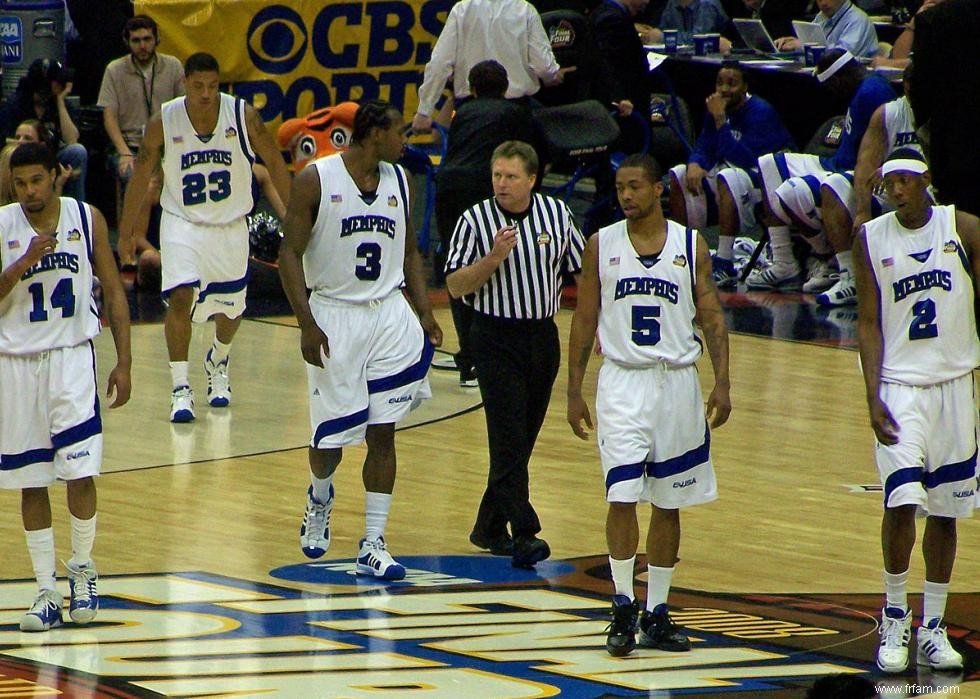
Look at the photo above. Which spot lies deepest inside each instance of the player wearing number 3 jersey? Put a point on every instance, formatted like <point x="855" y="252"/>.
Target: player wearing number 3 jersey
<point x="916" y="281"/>
<point x="203" y="145"/>
<point x="349" y="238"/>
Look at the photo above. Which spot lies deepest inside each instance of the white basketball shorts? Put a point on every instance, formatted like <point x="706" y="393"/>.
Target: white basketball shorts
<point x="211" y="259"/>
<point x="52" y="429"/>
<point x="376" y="372"/>
<point x="934" y="463"/>
<point x="792" y="184"/>
<point x="653" y="439"/>
<point x="702" y="209"/>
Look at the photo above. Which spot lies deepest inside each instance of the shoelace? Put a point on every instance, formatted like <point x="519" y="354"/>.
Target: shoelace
<point x="42" y="605"/>
<point x="892" y="632"/>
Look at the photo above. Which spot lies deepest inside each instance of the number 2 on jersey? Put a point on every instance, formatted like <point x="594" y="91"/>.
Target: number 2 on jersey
<point x="195" y="187"/>
<point x="371" y="268"/>
<point x="646" y="327"/>
<point x="923" y="321"/>
<point x="62" y="297"/>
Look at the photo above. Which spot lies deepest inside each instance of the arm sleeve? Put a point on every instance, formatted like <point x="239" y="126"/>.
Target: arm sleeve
<point x="576" y="243"/>
<point x="462" y="246"/>
<point x="440" y="65"/>
<point x="858" y="37"/>
<point x="705" y="151"/>
<point x="761" y="132"/>
<point x="540" y="57"/>
<point x="606" y="34"/>
<point x="107" y="92"/>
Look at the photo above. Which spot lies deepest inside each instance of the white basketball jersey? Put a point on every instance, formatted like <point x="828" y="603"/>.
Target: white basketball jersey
<point x="207" y="180"/>
<point x="647" y="314"/>
<point x="927" y="317"/>
<point x="900" y="127"/>
<point x="52" y="305"/>
<point x="356" y="251"/>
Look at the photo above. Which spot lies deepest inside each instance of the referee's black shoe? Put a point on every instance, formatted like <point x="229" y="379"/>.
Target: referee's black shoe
<point x="500" y="545"/>
<point x="529" y="550"/>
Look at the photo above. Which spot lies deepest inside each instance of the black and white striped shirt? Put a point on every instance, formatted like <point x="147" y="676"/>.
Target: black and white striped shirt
<point x="526" y="285"/>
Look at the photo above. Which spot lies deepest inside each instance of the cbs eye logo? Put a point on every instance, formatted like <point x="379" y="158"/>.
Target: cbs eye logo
<point x="277" y="40"/>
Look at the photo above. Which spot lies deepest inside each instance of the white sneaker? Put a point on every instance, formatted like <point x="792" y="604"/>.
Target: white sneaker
<point x="44" y="614"/>
<point x="780" y="276"/>
<point x="374" y="559"/>
<point x="819" y="276"/>
<point x="219" y="387"/>
<point x="843" y="293"/>
<point x="895" y="631"/>
<point x="182" y="404"/>
<point x="84" y="602"/>
<point x="314" y="535"/>
<point x="934" y="648"/>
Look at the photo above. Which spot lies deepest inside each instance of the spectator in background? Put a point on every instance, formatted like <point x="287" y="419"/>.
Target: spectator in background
<point x="508" y="31"/>
<point x="738" y="128"/>
<point x="846" y="26"/>
<point x="480" y="125"/>
<point x="777" y="15"/>
<point x="624" y="73"/>
<point x="690" y="17"/>
<point x="946" y="94"/>
<point x="42" y="95"/>
<point x="29" y="131"/>
<point x="901" y="53"/>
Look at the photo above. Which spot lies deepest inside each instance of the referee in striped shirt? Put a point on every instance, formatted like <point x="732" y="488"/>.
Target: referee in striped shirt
<point x="506" y="260"/>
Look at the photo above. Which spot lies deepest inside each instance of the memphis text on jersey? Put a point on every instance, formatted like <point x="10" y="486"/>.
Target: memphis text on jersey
<point x="369" y="223"/>
<point x="54" y="260"/>
<point x="205" y="157"/>
<point x="632" y="286"/>
<point x="936" y="278"/>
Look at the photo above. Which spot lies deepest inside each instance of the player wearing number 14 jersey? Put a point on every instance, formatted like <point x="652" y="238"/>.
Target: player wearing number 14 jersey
<point x="349" y="238"/>
<point x="916" y="281"/>
<point x="203" y="146"/>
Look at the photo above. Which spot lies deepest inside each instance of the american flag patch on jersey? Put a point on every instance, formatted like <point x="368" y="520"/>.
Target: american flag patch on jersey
<point x="13" y="244"/>
<point x="888" y="261"/>
<point x="613" y="260"/>
<point x="336" y="198"/>
<point x="178" y="139"/>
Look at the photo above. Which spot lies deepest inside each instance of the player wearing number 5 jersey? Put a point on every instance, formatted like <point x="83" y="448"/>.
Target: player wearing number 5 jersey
<point x="916" y="280"/>
<point x="51" y="249"/>
<point x="349" y="238"/>
<point x="646" y="285"/>
<point x="203" y="145"/>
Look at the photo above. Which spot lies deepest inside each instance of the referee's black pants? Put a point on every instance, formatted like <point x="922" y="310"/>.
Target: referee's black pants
<point x="516" y="365"/>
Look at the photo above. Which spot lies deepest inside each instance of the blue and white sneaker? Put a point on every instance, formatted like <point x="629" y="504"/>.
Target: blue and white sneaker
<point x="219" y="386"/>
<point x="374" y="559"/>
<point x="314" y="535"/>
<point x="723" y="273"/>
<point x="45" y="613"/>
<point x="934" y="648"/>
<point x="84" y="602"/>
<point x="182" y="404"/>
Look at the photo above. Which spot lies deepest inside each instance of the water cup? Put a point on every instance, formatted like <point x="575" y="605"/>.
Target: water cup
<point x="670" y="40"/>
<point x="812" y="53"/>
<point x="714" y="43"/>
<point x="702" y="44"/>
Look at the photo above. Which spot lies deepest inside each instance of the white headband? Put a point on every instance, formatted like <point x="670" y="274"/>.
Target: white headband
<point x="916" y="167"/>
<point x="835" y="66"/>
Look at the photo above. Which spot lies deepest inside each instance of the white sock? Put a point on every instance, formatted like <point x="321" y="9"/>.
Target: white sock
<point x="622" y="575"/>
<point x="845" y="260"/>
<point x="726" y="247"/>
<point x="933" y="601"/>
<point x="782" y="246"/>
<point x="219" y="351"/>
<point x="178" y="374"/>
<point x="40" y="544"/>
<point x="376" y="506"/>
<point x="321" y="487"/>
<point x="895" y="594"/>
<point x="658" y="585"/>
<point x="82" y="540"/>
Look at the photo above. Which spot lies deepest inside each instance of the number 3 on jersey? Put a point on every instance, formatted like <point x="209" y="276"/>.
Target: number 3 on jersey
<point x="196" y="187"/>
<point x="370" y="269"/>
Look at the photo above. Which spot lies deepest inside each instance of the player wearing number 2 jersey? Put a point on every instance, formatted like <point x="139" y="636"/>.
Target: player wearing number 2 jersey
<point x="916" y="277"/>
<point x="348" y="237"/>
<point x="204" y="145"/>
<point x="50" y="424"/>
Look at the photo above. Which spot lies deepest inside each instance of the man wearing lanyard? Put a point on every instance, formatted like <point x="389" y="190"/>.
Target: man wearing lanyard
<point x="506" y="260"/>
<point x="133" y="88"/>
<point x="846" y="26"/>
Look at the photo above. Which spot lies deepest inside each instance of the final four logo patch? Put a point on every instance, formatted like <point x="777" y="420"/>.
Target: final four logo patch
<point x="680" y="261"/>
<point x="74" y="235"/>
<point x="230" y="132"/>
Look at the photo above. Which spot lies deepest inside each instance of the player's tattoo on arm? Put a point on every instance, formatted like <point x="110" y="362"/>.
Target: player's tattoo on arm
<point x="583" y="358"/>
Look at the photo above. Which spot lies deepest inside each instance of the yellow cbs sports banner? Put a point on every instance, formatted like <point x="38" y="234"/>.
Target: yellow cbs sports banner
<point x="288" y="58"/>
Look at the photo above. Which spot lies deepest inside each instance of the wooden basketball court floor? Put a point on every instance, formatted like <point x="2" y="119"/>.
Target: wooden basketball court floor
<point x="206" y="593"/>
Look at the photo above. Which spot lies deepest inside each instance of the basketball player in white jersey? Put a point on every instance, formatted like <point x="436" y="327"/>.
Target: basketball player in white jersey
<point x="646" y="285"/>
<point x="916" y="277"/>
<point x="203" y="145"/>
<point x="847" y="199"/>
<point x="349" y="238"/>
<point x="51" y="248"/>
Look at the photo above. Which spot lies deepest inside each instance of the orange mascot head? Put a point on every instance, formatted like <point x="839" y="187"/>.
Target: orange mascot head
<point x="318" y="134"/>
